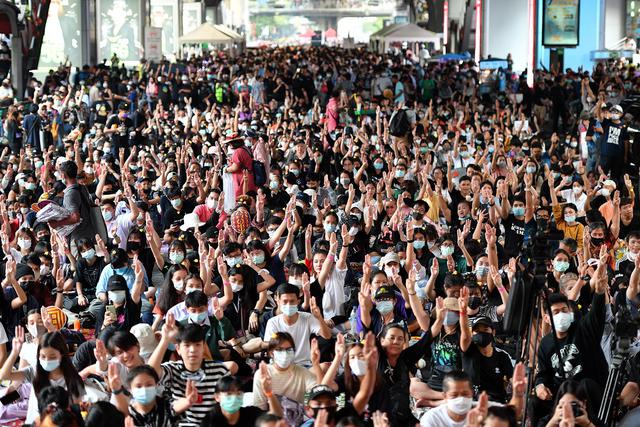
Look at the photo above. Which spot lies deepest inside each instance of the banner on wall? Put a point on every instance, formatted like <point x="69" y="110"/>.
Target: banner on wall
<point x="560" y="23"/>
<point x="153" y="43"/>
<point x="191" y="17"/>
<point x="163" y="14"/>
<point x="119" y="23"/>
<point x="62" y="35"/>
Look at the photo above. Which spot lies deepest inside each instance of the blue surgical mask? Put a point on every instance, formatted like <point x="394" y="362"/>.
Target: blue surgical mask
<point x="176" y="203"/>
<point x="482" y="270"/>
<point x="231" y="403"/>
<point x="531" y="169"/>
<point x="418" y="244"/>
<point x="198" y="318"/>
<point x="446" y="250"/>
<point x="375" y="259"/>
<point x="273" y="184"/>
<point x="107" y="215"/>
<point x="560" y="266"/>
<point x="233" y="261"/>
<point x="176" y="257"/>
<point x="89" y="254"/>
<point x="378" y="166"/>
<point x="144" y="395"/>
<point x="451" y="318"/>
<point x="289" y="309"/>
<point x="50" y="365"/>
<point x="329" y="228"/>
<point x="518" y="211"/>
<point x="120" y="270"/>
<point x="258" y="259"/>
<point x="384" y="307"/>
<point x="400" y="173"/>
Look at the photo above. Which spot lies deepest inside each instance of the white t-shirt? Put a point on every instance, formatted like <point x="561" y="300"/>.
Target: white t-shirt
<point x="439" y="417"/>
<point x="300" y="331"/>
<point x="333" y="298"/>
<point x="570" y="197"/>
<point x="292" y="383"/>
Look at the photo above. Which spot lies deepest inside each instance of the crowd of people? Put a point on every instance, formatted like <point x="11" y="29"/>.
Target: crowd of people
<point x="316" y="237"/>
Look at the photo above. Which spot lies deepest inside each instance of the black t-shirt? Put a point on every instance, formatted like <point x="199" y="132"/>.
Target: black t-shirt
<point x="172" y="214"/>
<point x="490" y="374"/>
<point x="248" y="416"/>
<point x="103" y="109"/>
<point x="614" y="136"/>
<point x="514" y="232"/>
<point x="446" y="356"/>
<point x="634" y="225"/>
<point x="120" y="138"/>
<point x="88" y="275"/>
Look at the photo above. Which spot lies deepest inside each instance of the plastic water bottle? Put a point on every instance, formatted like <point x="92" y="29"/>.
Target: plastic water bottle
<point x="353" y="322"/>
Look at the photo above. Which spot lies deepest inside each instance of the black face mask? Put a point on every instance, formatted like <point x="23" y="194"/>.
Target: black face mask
<point x="482" y="339"/>
<point x="417" y="215"/>
<point x="597" y="241"/>
<point x="28" y="285"/>
<point x="133" y="246"/>
<point x="331" y="410"/>
<point x="474" y="302"/>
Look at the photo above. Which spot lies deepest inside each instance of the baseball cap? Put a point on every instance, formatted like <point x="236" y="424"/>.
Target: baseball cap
<point x="384" y="292"/>
<point x="321" y="390"/>
<point x="117" y="283"/>
<point x="482" y="320"/>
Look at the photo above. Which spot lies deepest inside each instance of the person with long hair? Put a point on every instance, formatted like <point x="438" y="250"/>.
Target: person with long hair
<point x="171" y="293"/>
<point x="54" y="409"/>
<point x="54" y="368"/>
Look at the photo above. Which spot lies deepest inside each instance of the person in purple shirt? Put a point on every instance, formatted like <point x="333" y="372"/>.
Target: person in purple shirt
<point x="389" y="308"/>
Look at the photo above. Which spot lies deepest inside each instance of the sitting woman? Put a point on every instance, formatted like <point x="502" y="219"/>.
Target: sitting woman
<point x="574" y="394"/>
<point x="54" y="368"/>
<point x="54" y="409"/>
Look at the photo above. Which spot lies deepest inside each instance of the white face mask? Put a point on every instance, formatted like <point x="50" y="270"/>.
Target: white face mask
<point x="178" y="285"/>
<point x="562" y="321"/>
<point x="24" y="244"/>
<point x="283" y="359"/>
<point x="460" y="405"/>
<point x="358" y="367"/>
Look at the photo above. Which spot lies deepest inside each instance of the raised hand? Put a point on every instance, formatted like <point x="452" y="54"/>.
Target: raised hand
<point x="315" y="310"/>
<point x="265" y="379"/>
<point x="380" y="419"/>
<point x="217" y="309"/>
<point x="364" y="297"/>
<point x="463" y="299"/>
<point x="100" y="352"/>
<point x="138" y="269"/>
<point x="340" y="348"/>
<point x="440" y="310"/>
<point x="370" y="351"/>
<point x="113" y="377"/>
<point x="170" y="329"/>
<point x="315" y="352"/>
<point x="476" y="416"/>
<point x="191" y="392"/>
<point x="18" y="340"/>
<point x="519" y="380"/>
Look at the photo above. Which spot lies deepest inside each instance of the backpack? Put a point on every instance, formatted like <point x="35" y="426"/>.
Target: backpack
<point x="399" y="123"/>
<point x="259" y="171"/>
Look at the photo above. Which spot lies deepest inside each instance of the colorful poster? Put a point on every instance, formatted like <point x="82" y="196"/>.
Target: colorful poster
<point x="119" y="24"/>
<point x="163" y="15"/>
<point x="62" y="35"/>
<point x="560" y="22"/>
<point x="153" y="43"/>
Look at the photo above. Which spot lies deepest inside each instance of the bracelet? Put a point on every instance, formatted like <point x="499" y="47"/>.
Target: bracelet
<point x="501" y="288"/>
<point x="412" y="293"/>
<point x="59" y="291"/>
<point x="119" y="391"/>
<point x="264" y="270"/>
<point x="268" y="395"/>
<point x="345" y="246"/>
<point x="410" y="241"/>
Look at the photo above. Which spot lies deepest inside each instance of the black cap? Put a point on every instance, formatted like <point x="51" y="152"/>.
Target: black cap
<point x="117" y="283"/>
<point x="23" y="270"/>
<point x="321" y="390"/>
<point x="303" y="197"/>
<point x="384" y="292"/>
<point x="482" y="320"/>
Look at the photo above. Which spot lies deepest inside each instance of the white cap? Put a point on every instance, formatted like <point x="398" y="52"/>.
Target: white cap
<point x="191" y="220"/>
<point x="146" y="337"/>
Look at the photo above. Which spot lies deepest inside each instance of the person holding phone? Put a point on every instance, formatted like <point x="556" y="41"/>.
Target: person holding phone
<point x="123" y="309"/>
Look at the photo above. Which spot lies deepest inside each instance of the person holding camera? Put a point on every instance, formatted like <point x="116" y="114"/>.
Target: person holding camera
<point x="573" y="394"/>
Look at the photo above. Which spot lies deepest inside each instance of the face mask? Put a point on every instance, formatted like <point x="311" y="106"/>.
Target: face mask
<point x="189" y="290"/>
<point x="597" y="241"/>
<point x="460" y="405"/>
<point x="283" y="358"/>
<point x="569" y="218"/>
<point x="107" y="215"/>
<point x="176" y="203"/>
<point x="605" y="192"/>
<point x="384" y="307"/>
<point x="482" y="339"/>
<point x="378" y="166"/>
<point x="474" y="302"/>
<point x="211" y="203"/>
<point x="117" y="297"/>
<point x="562" y="321"/>
<point x="44" y="270"/>
<point x="258" y="259"/>
<point x="375" y="259"/>
<point x="36" y="330"/>
<point x="577" y="190"/>
<point x="329" y="228"/>
<point x="358" y="367"/>
<point x="144" y="395"/>
<point x="400" y="173"/>
<point x="344" y="181"/>
<point x="29" y="186"/>
<point x="89" y="254"/>
<point x="531" y="169"/>
<point x="446" y="250"/>
<point x="295" y="172"/>
<point x="464" y="154"/>
<point x="417" y="216"/>
<point x="273" y="185"/>
<point x="233" y="261"/>
<point x="176" y="257"/>
<point x="418" y="244"/>
<point x="451" y="318"/>
<point x="289" y="309"/>
<point x="39" y="164"/>
<point x="198" y="318"/>
<point x="482" y="270"/>
<point x="231" y="403"/>
<point x="178" y="285"/>
<point x="353" y="231"/>
<point x="519" y="211"/>
<point x="236" y="287"/>
<point x="24" y="243"/>
<point x="50" y="365"/>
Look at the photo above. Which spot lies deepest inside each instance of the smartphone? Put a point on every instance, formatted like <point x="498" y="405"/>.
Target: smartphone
<point x="577" y="410"/>
<point x="111" y="309"/>
<point x="9" y="398"/>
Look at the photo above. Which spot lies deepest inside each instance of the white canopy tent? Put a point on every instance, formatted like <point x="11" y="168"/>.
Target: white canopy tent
<point x="399" y="33"/>
<point x="214" y="35"/>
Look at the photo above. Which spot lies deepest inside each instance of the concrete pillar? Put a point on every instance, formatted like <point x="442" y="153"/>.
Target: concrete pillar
<point x="17" y="65"/>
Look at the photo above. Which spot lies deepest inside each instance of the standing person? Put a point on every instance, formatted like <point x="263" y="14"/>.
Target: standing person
<point x="76" y="203"/>
<point x="13" y="131"/>
<point x="332" y="112"/>
<point x="32" y="125"/>
<point x="240" y="166"/>
<point x="614" y="143"/>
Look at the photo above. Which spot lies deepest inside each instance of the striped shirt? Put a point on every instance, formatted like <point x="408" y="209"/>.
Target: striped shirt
<point x="174" y="381"/>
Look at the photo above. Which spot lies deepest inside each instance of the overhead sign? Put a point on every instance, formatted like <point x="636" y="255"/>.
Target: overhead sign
<point x="153" y="43"/>
<point x="560" y="22"/>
